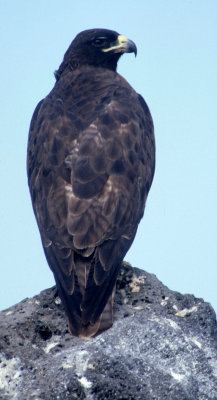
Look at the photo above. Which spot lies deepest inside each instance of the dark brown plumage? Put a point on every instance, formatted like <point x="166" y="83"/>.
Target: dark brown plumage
<point x="90" y="162"/>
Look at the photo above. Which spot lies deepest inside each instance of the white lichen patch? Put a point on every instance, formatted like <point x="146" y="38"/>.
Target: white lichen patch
<point x="177" y="377"/>
<point x="125" y="301"/>
<point x="138" y="308"/>
<point x="57" y="301"/>
<point x="126" y="263"/>
<point x="85" y="383"/>
<point x="185" y="311"/>
<point x="68" y="364"/>
<point x="164" y="302"/>
<point x="81" y="362"/>
<point x="8" y="313"/>
<point x="136" y="282"/>
<point x="10" y="375"/>
<point x="195" y="341"/>
<point x="50" y="346"/>
<point x="91" y="366"/>
<point x="173" y="324"/>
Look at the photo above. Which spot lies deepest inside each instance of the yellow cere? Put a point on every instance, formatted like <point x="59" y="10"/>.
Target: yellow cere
<point x="120" y="40"/>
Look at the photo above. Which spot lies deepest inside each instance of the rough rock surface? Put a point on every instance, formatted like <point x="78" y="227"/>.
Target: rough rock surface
<point x="163" y="345"/>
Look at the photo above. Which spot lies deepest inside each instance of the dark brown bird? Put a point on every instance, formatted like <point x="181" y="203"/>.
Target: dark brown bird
<point x="91" y="158"/>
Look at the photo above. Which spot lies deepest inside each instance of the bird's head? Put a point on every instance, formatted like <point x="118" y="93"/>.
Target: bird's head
<point x="97" y="47"/>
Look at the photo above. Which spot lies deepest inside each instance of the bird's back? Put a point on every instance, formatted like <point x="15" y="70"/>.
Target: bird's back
<point x="90" y="166"/>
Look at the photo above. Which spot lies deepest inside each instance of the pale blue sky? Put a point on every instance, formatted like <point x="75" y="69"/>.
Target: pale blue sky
<point x="176" y="72"/>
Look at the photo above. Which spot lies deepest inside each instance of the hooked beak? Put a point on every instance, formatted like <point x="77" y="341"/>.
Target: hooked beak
<point x="122" y="45"/>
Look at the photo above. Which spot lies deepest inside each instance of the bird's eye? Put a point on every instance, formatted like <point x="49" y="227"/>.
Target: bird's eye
<point x="100" y="41"/>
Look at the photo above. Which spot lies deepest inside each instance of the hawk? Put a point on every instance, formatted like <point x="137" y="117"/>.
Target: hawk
<point x="90" y="163"/>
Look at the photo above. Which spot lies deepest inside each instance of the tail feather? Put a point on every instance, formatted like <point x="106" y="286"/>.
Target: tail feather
<point x="106" y="320"/>
<point x="96" y="297"/>
<point x="88" y="301"/>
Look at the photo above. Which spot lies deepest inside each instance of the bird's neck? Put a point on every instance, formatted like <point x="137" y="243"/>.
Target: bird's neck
<point x="108" y="63"/>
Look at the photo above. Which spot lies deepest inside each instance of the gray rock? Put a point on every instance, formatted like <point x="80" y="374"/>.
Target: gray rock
<point x="163" y="345"/>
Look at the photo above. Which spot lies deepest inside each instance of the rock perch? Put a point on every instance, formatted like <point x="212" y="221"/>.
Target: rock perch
<point x="163" y="345"/>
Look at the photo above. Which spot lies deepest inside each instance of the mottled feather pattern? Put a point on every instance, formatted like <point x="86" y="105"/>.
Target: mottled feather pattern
<point x="90" y="167"/>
